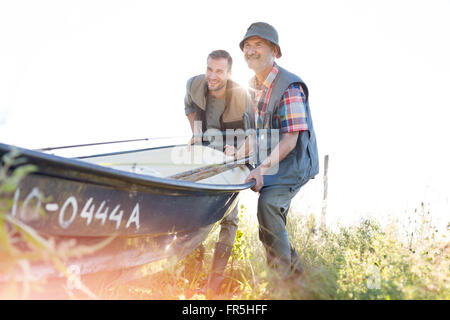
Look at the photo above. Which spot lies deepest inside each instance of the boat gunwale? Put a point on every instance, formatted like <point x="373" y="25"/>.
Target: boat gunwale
<point x="37" y="158"/>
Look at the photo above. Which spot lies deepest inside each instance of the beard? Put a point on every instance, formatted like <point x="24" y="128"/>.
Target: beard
<point x="256" y="63"/>
<point x="217" y="86"/>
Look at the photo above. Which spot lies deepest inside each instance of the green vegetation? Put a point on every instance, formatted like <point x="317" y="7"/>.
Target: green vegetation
<point x="363" y="261"/>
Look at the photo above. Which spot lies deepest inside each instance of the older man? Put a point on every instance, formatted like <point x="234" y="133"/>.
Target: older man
<point x="214" y="102"/>
<point x="280" y="103"/>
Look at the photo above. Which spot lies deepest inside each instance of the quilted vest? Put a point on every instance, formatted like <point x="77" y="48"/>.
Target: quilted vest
<point x="236" y="102"/>
<point x="302" y="163"/>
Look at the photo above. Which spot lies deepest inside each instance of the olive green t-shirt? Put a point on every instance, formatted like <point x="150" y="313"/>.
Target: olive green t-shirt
<point x="214" y="110"/>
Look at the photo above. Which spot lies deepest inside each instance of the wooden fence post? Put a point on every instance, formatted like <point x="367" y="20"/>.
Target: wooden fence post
<point x="325" y="193"/>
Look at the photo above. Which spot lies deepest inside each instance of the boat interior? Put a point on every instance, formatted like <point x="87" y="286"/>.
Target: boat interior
<point x="167" y="161"/>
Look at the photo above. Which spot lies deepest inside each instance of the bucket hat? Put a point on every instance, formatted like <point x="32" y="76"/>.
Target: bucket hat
<point x="264" y="31"/>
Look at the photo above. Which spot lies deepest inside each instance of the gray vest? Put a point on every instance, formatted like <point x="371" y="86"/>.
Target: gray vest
<point x="302" y="163"/>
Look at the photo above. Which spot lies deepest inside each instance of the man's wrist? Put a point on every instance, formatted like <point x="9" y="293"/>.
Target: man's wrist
<point x="264" y="166"/>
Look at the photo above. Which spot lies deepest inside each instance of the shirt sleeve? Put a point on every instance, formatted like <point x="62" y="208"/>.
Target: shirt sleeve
<point x="188" y="107"/>
<point x="292" y="110"/>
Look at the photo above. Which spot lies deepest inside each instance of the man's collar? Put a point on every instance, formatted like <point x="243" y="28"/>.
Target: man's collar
<point x="269" y="79"/>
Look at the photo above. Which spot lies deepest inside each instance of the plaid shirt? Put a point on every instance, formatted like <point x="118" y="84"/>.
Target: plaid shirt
<point x="290" y="116"/>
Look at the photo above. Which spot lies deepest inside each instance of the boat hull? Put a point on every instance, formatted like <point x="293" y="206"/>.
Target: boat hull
<point x="57" y="206"/>
<point x="146" y="218"/>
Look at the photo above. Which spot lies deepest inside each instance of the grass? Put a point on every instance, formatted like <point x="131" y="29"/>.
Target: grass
<point x="403" y="259"/>
<point x="363" y="261"/>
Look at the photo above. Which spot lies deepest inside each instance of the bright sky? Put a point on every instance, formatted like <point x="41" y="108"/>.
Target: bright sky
<point x="378" y="72"/>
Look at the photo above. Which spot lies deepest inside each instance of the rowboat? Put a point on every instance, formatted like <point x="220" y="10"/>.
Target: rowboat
<point x="138" y="201"/>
